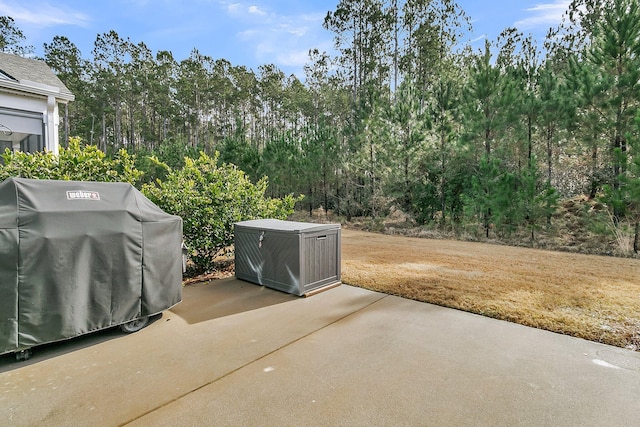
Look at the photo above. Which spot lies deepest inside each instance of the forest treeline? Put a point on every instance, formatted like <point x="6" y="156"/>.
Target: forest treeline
<point x="405" y="114"/>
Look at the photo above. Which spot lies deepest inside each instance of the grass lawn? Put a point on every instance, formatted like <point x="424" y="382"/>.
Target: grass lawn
<point x="591" y="297"/>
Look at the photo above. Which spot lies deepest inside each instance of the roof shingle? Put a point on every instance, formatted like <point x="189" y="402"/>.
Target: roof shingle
<point x="25" y="69"/>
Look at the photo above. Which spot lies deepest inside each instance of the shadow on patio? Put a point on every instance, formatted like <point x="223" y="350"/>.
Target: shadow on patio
<point x="225" y="297"/>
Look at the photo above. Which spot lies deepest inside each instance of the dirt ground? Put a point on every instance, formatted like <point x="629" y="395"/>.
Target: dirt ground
<point x="587" y="296"/>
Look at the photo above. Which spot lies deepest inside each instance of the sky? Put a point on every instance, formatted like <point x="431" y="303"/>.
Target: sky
<point x="244" y="32"/>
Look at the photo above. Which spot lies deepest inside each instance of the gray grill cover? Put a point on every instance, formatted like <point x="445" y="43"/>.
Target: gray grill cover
<point x="76" y="257"/>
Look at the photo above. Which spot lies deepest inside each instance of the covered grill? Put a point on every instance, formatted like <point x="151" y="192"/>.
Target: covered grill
<point x="76" y="257"/>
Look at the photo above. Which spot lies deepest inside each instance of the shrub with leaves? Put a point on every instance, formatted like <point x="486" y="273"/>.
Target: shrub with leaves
<point x="76" y="163"/>
<point x="210" y="198"/>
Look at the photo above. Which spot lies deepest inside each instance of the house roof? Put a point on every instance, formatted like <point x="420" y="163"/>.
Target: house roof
<point x="32" y="76"/>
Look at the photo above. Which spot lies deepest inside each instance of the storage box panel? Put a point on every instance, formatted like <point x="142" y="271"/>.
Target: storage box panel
<point x="320" y="259"/>
<point x="268" y="258"/>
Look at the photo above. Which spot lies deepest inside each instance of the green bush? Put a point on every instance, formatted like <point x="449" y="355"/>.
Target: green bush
<point x="169" y="153"/>
<point x="76" y="163"/>
<point x="210" y="198"/>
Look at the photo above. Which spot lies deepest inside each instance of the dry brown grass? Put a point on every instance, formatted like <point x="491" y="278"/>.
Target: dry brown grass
<point x="591" y="297"/>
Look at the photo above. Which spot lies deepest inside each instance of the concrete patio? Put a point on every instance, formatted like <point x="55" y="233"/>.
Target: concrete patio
<point x="237" y="354"/>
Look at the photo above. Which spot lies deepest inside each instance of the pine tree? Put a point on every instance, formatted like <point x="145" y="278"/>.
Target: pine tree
<point x="609" y="73"/>
<point x="615" y="53"/>
<point x="65" y="59"/>
<point x="556" y="106"/>
<point x="12" y="38"/>
<point x="406" y="126"/>
<point x="487" y="96"/>
<point x="444" y="115"/>
<point x="536" y="198"/>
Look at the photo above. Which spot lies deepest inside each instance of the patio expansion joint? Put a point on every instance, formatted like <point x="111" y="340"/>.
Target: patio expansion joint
<point x="264" y="356"/>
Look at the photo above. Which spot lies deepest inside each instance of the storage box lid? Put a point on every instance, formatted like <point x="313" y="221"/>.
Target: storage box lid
<point x="280" y="225"/>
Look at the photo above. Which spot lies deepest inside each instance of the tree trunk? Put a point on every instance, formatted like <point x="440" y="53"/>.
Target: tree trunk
<point x="443" y="182"/>
<point x="324" y="186"/>
<point x="93" y="122"/>
<point x="355" y="61"/>
<point x="486" y="227"/>
<point x="594" y="167"/>
<point x="549" y="155"/>
<point x="104" y="133"/>
<point x="118" y="125"/>
<point x="529" y="141"/>
<point x="487" y="142"/>
<point x="395" y="46"/>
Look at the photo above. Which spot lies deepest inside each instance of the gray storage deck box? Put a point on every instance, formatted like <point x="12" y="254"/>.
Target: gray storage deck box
<point x="294" y="257"/>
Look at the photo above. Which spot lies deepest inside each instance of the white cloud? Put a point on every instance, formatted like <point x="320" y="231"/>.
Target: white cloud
<point x="248" y="35"/>
<point x="544" y="15"/>
<point x="295" y="31"/>
<point x="234" y="7"/>
<point x="279" y="38"/>
<point x="255" y="10"/>
<point x="240" y="10"/>
<point x="42" y="14"/>
<point x="294" y="58"/>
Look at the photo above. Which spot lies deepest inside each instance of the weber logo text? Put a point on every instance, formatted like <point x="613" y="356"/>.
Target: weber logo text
<point x="83" y="195"/>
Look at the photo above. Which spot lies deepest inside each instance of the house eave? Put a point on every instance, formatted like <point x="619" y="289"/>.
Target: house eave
<point x="22" y="88"/>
